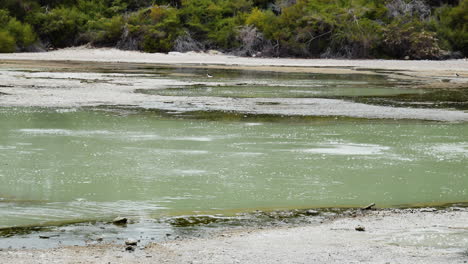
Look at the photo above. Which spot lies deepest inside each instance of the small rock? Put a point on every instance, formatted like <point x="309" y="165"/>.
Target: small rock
<point x="407" y="57"/>
<point x="427" y="210"/>
<point x="129" y="248"/>
<point x="360" y="228"/>
<point x="120" y="221"/>
<point x="99" y="239"/>
<point x="312" y="212"/>
<point x="131" y="242"/>
<point x="368" y="207"/>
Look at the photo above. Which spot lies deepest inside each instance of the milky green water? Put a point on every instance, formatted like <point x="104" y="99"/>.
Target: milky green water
<point x="84" y="164"/>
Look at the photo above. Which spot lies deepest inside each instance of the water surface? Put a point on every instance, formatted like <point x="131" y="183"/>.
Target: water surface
<point x="82" y="164"/>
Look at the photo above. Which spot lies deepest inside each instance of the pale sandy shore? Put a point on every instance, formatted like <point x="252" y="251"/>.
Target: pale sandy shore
<point x="449" y="67"/>
<point x="390" y="236"/>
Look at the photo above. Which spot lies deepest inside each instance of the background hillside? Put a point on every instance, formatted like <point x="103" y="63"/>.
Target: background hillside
<point x="416" y="29"/>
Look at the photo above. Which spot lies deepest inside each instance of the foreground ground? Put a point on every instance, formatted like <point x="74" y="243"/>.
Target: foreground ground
<point x="390" y="236"/>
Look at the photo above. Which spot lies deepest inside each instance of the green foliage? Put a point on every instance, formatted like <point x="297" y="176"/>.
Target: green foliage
<point x="105" y="31"/>
<point x="7" y="42"/>
<point x="452" y="26"/>
<point x="302" y="28"/>
<point x="60" y="26"/>
<point x="155" y="28"/>
<point x="22" y="33"/>
<point x="412" y="40"/>
<point x="358" y="38"/>
<point x="15" y="34"/>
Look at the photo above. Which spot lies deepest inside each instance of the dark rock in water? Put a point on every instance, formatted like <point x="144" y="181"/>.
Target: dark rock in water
<point x="47" y="236"/>
<point x="120" y="221"/>
<point x="360" y="228"/>
<point x="129" y="248"/>
<point x="312" y="212"/>
<point x="368" y="207"/>
<point x="131" y="242"/>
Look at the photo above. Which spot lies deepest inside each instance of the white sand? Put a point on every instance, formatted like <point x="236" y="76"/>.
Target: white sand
<point x="114" y="55"/>
<point x="390" y="237"/>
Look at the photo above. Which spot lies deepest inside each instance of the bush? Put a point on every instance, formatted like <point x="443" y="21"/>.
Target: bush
<point x="105" y="31"/>
<point x="22" y="33"/>
<point x="355" y="39"/>
<point x="60" y="26"/>
<point x="412" y="40"/>
<point x="185" y="43"/>
<point x="452" y="26"/>
<point x="252" y="41"/>
<point x="154" y="29"/>
<point x="7" y="42"/>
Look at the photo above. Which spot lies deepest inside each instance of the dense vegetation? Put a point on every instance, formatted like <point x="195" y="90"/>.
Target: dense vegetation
<point x="417" y="29"/>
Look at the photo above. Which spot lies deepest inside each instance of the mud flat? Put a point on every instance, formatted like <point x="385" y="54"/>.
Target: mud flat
<point x="72" y="78"/>
<point x="390" y="236"/>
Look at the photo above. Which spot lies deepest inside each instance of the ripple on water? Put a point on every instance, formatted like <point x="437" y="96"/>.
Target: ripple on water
<point x="7" y="147"/>
<point x="64" y="132"/>
<point x="189" y="172"/>
<point x="346" y="149"/>
<point x="449" y="151"/>
<point x="142" y="137"/>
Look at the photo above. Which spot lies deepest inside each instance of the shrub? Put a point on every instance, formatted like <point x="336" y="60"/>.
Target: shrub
<point x="7" y="42"/>
<point x="106" y="31"/>
<point x="356" y="39"/>
<point x="22" y="33"/>
<point x="452" y="26"/>
<point x="251" y="40"/>
<point x="61" y="26"/>
<point x="185" y="42"/>
<point x="412" y="40"/>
